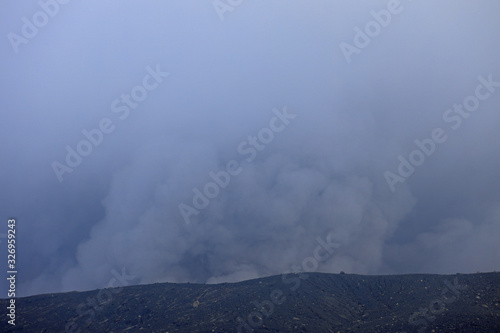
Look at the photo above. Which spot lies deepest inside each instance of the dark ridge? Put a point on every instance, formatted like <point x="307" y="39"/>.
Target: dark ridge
<point x="312" y="302"/>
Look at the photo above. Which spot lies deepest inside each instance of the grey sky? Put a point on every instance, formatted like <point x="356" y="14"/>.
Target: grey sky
<point x="324" y="172"/>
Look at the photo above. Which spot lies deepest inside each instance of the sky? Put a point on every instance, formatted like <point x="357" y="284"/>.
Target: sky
<point x="216" y="141"/>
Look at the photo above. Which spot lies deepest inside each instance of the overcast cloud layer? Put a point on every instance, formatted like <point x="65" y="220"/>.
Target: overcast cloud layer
<point x="324" y="172"/>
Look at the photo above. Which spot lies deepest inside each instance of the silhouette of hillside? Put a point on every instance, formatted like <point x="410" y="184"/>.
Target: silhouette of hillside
<point x="312" y="302"/>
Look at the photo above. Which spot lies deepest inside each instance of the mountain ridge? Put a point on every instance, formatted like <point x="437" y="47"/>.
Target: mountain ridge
<point x="303" y="302"/>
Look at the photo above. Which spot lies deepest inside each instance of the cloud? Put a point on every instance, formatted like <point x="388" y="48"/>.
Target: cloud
<point x="323" y="173"/>
<point x="454" y="245"/>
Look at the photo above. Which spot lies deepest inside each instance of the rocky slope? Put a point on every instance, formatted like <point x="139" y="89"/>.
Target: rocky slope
<point x="312" y="302"/>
